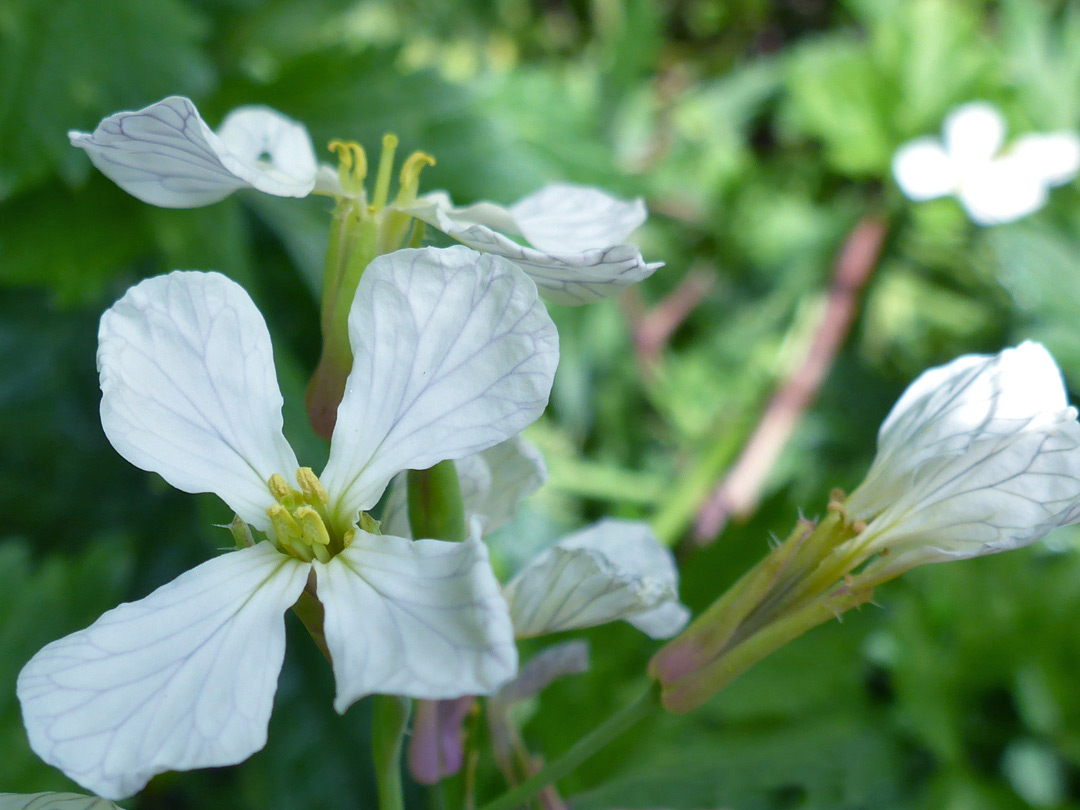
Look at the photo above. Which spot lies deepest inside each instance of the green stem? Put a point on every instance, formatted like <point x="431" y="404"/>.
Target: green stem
<point x="435" y="506"/>
<point x="389" y="718"/>
<point x="624" y="719"/>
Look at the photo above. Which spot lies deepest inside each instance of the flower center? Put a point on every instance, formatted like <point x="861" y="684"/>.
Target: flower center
<point x="353" y="170"/>
<point x="298" y="521"/>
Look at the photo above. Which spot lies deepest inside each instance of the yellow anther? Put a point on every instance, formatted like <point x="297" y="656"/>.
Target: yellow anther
<point x="410" y="176"/>
<point x="347" y="539"/>
<point x="285" y="527"/>
<point x="312" y="527"/>
<point x="311" y="486"/>
<point x="280" y="489"/>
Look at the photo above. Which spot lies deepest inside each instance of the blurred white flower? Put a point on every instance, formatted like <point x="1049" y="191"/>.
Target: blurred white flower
<point x="994" y="185"/>
<point x="453" y="353"/>
<point x="978" y="456"/>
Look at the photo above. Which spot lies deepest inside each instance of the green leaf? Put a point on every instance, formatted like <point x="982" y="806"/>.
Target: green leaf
<point x="65" y="64"/>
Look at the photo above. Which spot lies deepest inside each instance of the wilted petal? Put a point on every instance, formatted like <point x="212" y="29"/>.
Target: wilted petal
<point x="421" y="618"/>
<point x="453" y="353"/>
<point x="189" y="390"/>
<point x="437" y="744"/>
<point x="182" y="679"/>
<point x="543" y="669"/>
<point x="950" y="407"/>
<point x="923" y="170"/>
<point x="166" y="155"/>
<point x="493" y="484"/>
<point x="1001" y="493"/>
<point x="974" y="133"/>
<point x="1053" y="157"/>
<point x="566" y="271"/>
<point x="613" y="570"/>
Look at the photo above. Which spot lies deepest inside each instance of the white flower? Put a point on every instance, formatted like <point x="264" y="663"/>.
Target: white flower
<point x="994" y="186"/>
<point x="614" y="569"/>
<point x="576" y="249"/>
<point x="165" y="154"/>
<point x="453" y="354"/>
<point x="978" y="456"/>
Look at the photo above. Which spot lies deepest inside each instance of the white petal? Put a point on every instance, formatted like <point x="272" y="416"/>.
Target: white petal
<point x="566" y="274"/>
<point x="1003" y="190"/>
<point x="613" y="570"/>
<point x="1054" y="157"/>
<point x="923" y="170"/>
<point x="453" y="353"/>
<point x="974" y="133"/>
<point x="53" y="801"/>
<point x="189" y="391"/>
<point x="547" y="666"/>
<point x="182" y="679"/>
<point x="274" y="153"/>
<point x="166" y="155"/>
<point x="421" y="618"/>
<point x="949" y="408"/>
<point x="563" y="218"/>
<point x="493" y="484"/>
<point x="1001" y="493"/>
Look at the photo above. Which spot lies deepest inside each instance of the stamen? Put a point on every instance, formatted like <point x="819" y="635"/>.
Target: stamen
<point x="352" y="165"/>
<point x="311" y="486"/>
<point x="410" y="176"/>
<point x="386" y="165"/>
<point x="279" y="489"/>
<point x="312" y="527"/>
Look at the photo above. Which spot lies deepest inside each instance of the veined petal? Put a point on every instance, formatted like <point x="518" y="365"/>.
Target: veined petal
<point x="269" y="151"/>
<point x="974" y="134"/>
<point x="566" y="273"/>
<point x="493" y="484"/>
<point x="53" y="801"/>
<point x="613" y="570"/>
<point x="182" y="679"/>
<point x="166" y="155"/>
<point x="421" y="618"/>
<point x="1003" y="492"/>
<point x="543" y="669"/>
<point x="453" y="353"/>
<point x="189" y="390"/>
<point x="1053" y="157"/>
<point x="923" y="170"/>
<point x="564" y="218"/>
<point x="949" y="408"/>
<point x="1004" y="190"/>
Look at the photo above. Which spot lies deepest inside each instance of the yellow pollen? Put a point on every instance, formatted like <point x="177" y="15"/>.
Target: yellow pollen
<point x="312" y="526"/>
<point x="280" y="489"/>
<point x="311" y="486"/>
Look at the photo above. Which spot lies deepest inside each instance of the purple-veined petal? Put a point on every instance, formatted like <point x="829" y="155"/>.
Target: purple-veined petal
<point x="189" y="389"/>
<point x="182" y="679"/>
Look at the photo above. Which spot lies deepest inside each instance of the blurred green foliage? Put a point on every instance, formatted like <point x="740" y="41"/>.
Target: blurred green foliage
<point x="759" y="133"/>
